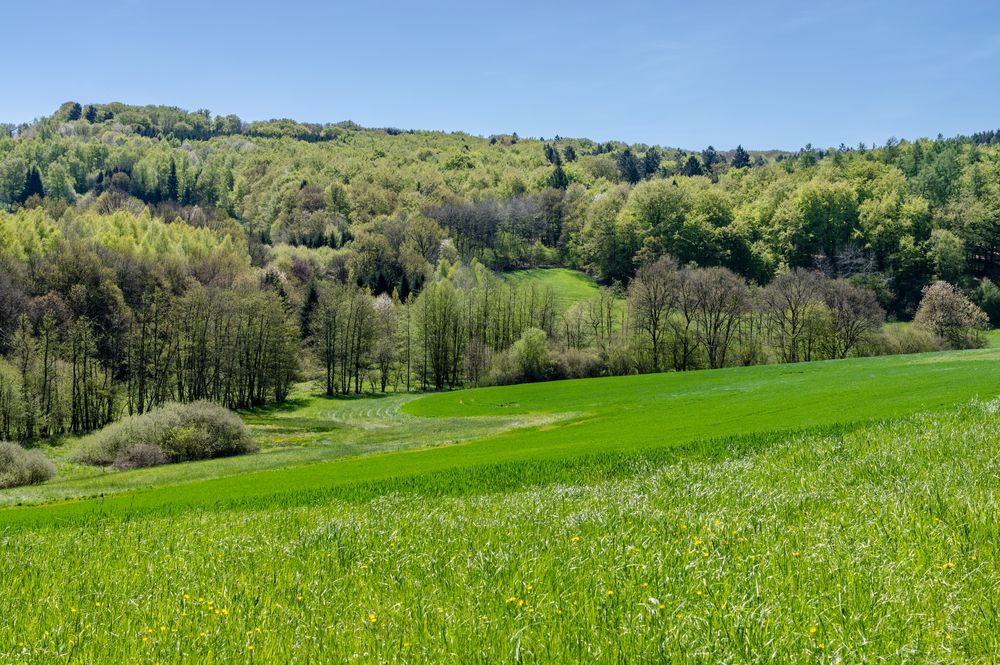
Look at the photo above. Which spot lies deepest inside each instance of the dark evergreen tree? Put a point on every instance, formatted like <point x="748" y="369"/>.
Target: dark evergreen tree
<point x="171" y="193"/>
<point x="32" y="185"/>
<point x="692" y="167"/>
<point x="628" y="166"/>
<point x="569" y="153"/>
<point x="741" y="158"/>
<point x="709" y="158"/>
<point x="559" y="179"/>
<point x="651" y="162"/>
<point x="552" y="155"/>
<point x="90" y="113"/>
<point x="309" y="303"/>
<point x="69" y="111"/>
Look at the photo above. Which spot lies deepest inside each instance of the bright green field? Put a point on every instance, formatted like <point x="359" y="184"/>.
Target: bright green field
<point x="774" y="513"/>
<point x="570" y="286"/>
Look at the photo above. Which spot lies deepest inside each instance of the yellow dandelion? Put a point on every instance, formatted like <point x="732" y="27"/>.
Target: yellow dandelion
<point x="948" y="566"/>
<point x="372" y="617"/>
<point x="610" y="593"/>
<point x="812" y="630"/>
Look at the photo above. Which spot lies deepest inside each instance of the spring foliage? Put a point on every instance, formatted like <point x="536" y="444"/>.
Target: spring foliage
<point x="170" y="433"/>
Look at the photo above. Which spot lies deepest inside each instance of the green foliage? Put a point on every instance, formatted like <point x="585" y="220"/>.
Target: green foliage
<point x="179" y="432"/>
<point x="510" y="202"/>
<point x="531" y="355"/>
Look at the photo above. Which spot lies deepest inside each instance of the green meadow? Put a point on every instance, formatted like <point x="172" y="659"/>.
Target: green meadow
<point x="569" y="286"/>
<point x="832" y="511"/>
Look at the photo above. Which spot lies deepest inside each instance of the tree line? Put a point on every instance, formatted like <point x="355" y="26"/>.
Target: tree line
<point x="896" y="217"/>
<point x="103" y="316"/>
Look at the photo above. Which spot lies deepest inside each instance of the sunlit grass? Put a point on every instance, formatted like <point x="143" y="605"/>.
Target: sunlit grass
<point x="871" y="543"/>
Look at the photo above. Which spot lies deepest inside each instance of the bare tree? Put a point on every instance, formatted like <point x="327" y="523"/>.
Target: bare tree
<point x="789" y="303"/>
<point x="386" y="345"/>
<point x="721" y="298"/>
<point x="854" y="313"/>
<point x="685" y="341"/>
<point x="651" y="297"/>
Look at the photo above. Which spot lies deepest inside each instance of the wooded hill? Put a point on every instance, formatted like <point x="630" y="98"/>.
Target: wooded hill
<point x="895" y="217"/>
<point x="150" y="255"/>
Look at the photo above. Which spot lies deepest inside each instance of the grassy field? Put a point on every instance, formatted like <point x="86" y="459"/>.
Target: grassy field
<point x="570" y="286"/>
<point x="835" y="511"/>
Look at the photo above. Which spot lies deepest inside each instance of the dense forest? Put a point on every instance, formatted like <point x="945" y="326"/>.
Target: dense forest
<point x="149" y="254"/>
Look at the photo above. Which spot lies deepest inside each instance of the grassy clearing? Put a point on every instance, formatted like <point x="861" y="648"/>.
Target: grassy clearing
<point x="570" y="286"/>
<point x="305" y="430"/>
<point x="875" y="543"/>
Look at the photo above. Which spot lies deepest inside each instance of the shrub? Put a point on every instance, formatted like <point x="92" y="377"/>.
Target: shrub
<point x="23" y="467"/>
<point x="946" y="311"/>
<point x="531" y="355"/>
<point x="502" y="370"/>
<point x="577" y="364"/>
<point x="171" y="433"/>
<point x="895" y="340"/>
<point x="140" y="456"/>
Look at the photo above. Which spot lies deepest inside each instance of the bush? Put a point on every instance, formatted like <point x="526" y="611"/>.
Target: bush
<point x="23" y="467"/>
<point x="171" y="433"/>
<point x="896" y="340"/>
<point x="577" y="364"/>
<point x="502" y="370"/>
<point x="140" y="456"/>
<point x="946" y="311"/>
<point x="531" y="355"/>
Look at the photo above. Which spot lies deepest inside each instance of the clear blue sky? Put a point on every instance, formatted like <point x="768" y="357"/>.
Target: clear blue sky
<point x="764" y="74"/>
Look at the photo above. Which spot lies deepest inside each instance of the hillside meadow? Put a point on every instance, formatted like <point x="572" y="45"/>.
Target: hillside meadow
<point x="829" y="511"/>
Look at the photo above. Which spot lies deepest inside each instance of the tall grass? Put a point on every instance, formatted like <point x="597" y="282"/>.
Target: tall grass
<point x="878" y="543"/>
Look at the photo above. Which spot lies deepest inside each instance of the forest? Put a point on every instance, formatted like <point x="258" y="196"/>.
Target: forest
<point x="152" y="255"/>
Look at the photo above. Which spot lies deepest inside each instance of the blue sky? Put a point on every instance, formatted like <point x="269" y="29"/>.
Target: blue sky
<point x="765" y="74"/>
